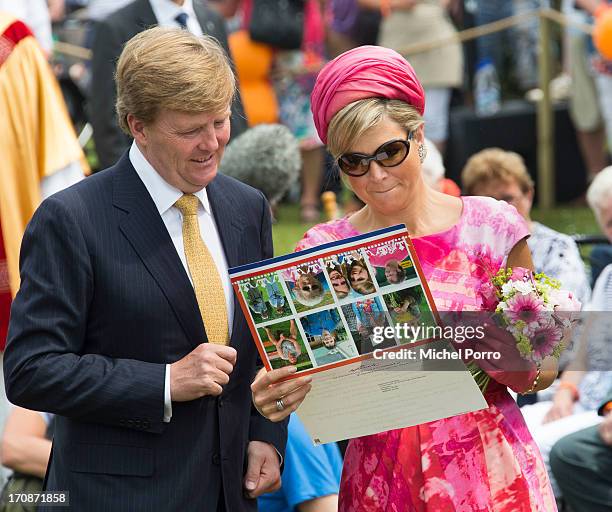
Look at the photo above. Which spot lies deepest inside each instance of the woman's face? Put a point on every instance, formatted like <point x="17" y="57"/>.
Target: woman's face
<point x="386" y="189"/>
<point x="508" y="191"/>
<point x="338" y="281"/>
<point x="358" y="274"/>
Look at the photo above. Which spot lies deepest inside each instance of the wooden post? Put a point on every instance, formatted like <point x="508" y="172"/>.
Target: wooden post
<point x="546" y="121"/>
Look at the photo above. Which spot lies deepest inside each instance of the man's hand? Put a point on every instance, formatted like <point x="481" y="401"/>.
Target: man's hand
<point x="605" y="429"/>
<point x="263" y="470"/>
<point x="204" y="371"/>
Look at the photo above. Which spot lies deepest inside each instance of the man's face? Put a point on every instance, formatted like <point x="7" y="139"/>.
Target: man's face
<point x="184" y="148"/>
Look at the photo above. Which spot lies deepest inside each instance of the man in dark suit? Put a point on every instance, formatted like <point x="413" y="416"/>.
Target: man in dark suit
<point x="110" y="36"/>
<point x="582" y="465"/>
<point x="125" y="325"/>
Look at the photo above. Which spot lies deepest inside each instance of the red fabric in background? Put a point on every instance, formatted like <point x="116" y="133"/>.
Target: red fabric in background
<point x="5" y="295"/>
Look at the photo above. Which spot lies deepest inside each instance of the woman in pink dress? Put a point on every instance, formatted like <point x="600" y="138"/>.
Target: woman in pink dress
<point x="368" y="107"/>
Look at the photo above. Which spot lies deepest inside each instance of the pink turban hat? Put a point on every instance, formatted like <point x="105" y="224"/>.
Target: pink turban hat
<point x="363" y="72"/>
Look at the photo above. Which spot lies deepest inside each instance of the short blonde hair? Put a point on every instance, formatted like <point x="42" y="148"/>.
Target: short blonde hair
<point x="599" y="193"/>
<point x="495" y="164"/>
<point x="170" y="68"/>
<point x="356" y="118"/>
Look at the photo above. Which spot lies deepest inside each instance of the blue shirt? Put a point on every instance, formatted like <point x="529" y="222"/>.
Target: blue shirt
<point x="309" y="472"/>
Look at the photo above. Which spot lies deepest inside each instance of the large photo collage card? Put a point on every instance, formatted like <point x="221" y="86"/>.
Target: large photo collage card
<point x="328" y="305"/>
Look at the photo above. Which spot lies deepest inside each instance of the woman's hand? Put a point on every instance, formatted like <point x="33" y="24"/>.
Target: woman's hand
<point x="509" y="368"/>
<point x="563" y="405"/>
<point x="269" y="393"/>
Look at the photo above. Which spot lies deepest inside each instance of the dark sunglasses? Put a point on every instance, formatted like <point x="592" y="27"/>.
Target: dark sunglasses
<point x="389" y="154"/>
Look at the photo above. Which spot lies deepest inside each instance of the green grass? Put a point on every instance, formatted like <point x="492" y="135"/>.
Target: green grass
<point x="571" y="220"/>
<point x="288" y="230"/>
<point x="576" y="220"/>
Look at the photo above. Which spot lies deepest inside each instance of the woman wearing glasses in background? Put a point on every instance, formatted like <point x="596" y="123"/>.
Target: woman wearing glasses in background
<point x="503" y="175"/>
<point x="368" y="106"/>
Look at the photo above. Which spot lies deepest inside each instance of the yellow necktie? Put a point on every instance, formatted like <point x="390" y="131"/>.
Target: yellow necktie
<point x="206" y="279"/>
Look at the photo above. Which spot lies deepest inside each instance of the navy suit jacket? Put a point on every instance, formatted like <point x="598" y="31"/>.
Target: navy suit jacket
<point x="104" y="304"/>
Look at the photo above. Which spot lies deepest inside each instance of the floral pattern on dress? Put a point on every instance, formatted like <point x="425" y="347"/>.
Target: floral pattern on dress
<point x="484" y="461"/>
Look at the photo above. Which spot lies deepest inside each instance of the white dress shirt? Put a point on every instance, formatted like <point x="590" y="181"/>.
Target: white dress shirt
<point x="164" y="196"/>
<point x="166" y="12"/>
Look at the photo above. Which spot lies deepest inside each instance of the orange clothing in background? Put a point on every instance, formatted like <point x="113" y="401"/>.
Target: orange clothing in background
<point x="448" y="186"/>
<point x="253" y="63"/>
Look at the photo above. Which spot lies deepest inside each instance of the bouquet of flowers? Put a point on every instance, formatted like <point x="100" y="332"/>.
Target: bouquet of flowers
<point x="534" y="309"/>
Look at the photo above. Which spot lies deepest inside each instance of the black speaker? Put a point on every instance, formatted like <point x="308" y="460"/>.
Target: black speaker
<point x="514" y="128"/>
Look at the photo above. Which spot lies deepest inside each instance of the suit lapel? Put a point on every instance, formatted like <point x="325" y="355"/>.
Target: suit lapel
<point x="146" y="232"/>
<point x="206" y="24"/>
<point x="146" y="16"/>
<point x="230" y="228"/>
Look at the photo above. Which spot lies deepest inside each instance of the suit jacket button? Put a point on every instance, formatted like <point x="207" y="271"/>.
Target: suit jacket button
<point x="146" y="425"/>
<point x="216" y="459"/>
<point x="220" y="401"/>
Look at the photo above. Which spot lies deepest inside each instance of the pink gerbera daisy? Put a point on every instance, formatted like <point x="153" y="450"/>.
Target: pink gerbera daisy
<point x="544" y="340"/>
<point x="528" y="308"/>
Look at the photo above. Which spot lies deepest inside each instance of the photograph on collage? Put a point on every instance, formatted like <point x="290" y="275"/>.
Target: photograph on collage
<point x="364" y="318"/>
<point x="391" y="262"/>
<point x="265" y="298"/>
<point x="409" y="307"/>
<point x="284" y="345"/>
<point x="328" y="339"/>
<point x="349" y="275"/>
<point x="308" y="286"/>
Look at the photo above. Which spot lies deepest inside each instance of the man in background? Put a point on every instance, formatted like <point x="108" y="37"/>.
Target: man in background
<point x="113" y="32"/>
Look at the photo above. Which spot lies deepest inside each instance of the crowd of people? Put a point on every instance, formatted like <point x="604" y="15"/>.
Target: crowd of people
<point x="134" y="379"/>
